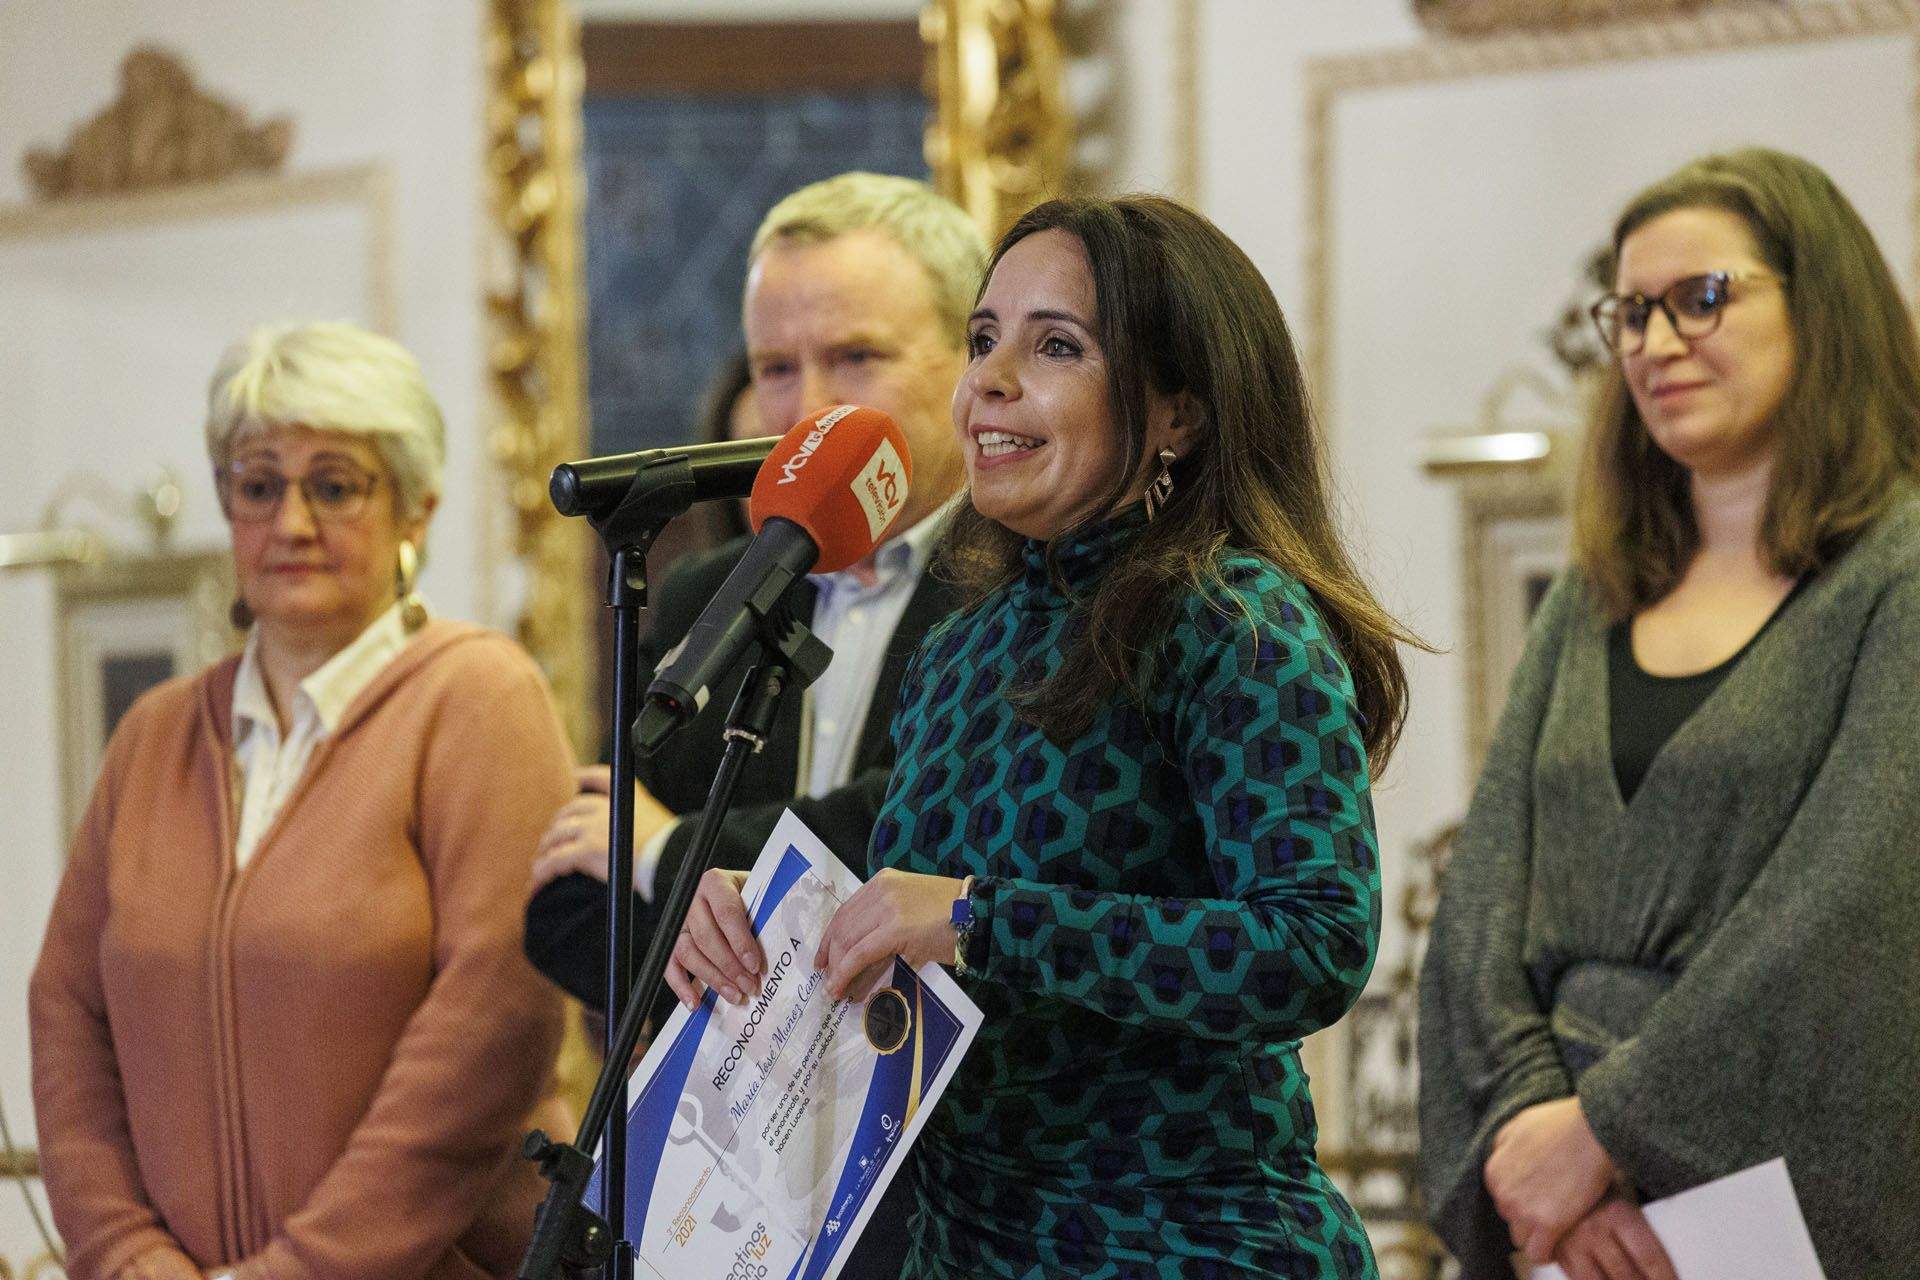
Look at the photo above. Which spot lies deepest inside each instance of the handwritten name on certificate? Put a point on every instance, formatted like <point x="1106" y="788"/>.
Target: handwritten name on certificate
<point x="761" y="1136"/>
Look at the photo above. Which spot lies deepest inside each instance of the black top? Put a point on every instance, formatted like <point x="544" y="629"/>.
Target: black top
<point x="1644" y="711"/>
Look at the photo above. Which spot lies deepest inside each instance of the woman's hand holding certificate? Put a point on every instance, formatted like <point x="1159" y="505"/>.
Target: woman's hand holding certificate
<point x="897" y="913"/>
<point x="771" y="1111"/>
<point x="717" y="948"/>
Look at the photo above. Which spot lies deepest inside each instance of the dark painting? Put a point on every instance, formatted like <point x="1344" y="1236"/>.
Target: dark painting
<point x="676" y="185"/>
<point x="123" y="678"/>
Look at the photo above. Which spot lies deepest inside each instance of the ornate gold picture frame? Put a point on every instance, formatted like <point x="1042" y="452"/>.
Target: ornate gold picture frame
<point x="126" y="624"/>
<point x="998" y="139"/>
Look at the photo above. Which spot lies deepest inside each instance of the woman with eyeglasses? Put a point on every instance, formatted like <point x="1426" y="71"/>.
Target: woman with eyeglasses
<point x="1676" y="938"/>
<point x="282" y="1026"/>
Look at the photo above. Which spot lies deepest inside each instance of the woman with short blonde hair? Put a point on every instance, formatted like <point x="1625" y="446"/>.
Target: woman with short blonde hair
<point x="282" y="1027"/>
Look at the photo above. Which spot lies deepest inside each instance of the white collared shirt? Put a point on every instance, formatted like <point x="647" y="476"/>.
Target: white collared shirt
<point x="268" y="766"/>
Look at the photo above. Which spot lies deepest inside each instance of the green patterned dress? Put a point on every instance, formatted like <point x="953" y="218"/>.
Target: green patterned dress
<point x="1164" y="906"/>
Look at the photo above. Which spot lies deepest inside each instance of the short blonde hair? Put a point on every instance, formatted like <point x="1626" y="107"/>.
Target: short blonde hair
<point x="934" y="230"/>
<point x="332" y="376"/>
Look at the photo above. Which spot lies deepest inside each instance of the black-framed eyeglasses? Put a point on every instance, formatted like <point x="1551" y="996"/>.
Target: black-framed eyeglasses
<point x="335" y="492"/>
<point x="1693" y="307"/>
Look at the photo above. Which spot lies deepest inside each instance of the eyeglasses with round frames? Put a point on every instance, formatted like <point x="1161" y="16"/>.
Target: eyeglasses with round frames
<point x="1693" y="307"/>
<point x="335" y="492"/>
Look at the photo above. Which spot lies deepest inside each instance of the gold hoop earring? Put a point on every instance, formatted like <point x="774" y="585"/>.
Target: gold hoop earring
<point x="1161" y="490"/>
<point x="413" y="610"/>
<point x="239" y="614"/>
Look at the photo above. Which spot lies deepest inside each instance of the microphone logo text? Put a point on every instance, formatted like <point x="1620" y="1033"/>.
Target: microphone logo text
<point x="790" y="469"/>
<point x="881" y="488"/>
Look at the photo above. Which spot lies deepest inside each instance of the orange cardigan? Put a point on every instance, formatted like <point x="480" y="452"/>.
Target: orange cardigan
<point x="317" y="1067"/>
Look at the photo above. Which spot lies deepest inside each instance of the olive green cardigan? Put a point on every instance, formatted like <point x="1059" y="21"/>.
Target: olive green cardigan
<point x="1726" y="969"/>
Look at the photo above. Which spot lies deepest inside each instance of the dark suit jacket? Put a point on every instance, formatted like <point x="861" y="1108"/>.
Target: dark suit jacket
<point x="567" y="920"/>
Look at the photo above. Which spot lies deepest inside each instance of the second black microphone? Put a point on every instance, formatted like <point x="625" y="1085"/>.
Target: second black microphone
<point x="593" y="487"/>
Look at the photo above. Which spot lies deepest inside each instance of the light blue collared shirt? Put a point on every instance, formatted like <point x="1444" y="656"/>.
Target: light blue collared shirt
<point x="857" y="620"/>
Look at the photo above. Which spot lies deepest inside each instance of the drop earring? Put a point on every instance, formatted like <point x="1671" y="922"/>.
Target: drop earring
<point x="1161" y="490"/>
<point x="239" y="614"/>
<point x="413" y="610"/>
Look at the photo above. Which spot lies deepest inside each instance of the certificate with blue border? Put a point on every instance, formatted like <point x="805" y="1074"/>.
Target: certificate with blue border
<point x="760" y="1137"/>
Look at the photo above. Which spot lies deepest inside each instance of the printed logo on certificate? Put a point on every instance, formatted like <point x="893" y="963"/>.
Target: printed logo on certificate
<point x="760" y="1136"/>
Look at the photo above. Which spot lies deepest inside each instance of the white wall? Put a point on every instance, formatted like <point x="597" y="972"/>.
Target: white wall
<point x="1253" y="107"/>
<point x="364" y="80"/>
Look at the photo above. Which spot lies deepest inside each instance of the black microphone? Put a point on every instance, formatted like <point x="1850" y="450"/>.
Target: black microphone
<point x="826" y="496"/>
<point x="593" y="487"/>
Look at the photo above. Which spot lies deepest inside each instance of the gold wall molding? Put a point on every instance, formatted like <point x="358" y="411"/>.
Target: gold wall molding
<point x="1188" y="177"/>
<point x="43" y="1267"/>
<point x="369" y="186"/>
<point x="163" y="130"/>
<point x="1515" y="531"/>
<point x="536" y="357"/>
<point x="1001" y="138"/>
<point x="1478" y="17"/>
<point x="1716" y="30"/>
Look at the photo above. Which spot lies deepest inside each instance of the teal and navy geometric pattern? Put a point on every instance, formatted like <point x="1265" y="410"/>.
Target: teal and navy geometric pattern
<point x="1164" y="906"/>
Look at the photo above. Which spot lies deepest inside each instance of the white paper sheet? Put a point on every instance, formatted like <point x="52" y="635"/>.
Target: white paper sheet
<point x="1740" y="1227"/>
<point x="760" y="1137"/>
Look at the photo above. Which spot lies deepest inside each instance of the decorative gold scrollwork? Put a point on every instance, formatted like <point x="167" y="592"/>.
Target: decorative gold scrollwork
<point x="536" y="356"/>
<point x="999" y="142"/>
<point x="1000" y="139"/>
<point x="162" y="131"/>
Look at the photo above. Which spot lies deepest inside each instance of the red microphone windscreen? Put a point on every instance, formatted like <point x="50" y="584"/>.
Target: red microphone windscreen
<point x="842" y="475"/>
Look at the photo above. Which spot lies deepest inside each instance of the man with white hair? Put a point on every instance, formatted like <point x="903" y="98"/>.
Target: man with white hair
<point x="858" y="290"/>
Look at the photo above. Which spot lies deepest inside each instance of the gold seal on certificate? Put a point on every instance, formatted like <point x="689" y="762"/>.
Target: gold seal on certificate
<point x="760" y="1136"/>
<point x="888" y="1020"/>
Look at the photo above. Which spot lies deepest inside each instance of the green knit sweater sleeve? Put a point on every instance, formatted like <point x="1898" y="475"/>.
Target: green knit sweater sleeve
<point x="1263" y="722"/>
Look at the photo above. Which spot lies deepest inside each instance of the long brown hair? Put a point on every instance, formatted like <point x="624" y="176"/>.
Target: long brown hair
<point x="1180" y="309"/>
<point x="1847" y="431"/>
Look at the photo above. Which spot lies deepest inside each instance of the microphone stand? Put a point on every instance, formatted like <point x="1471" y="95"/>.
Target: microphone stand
<point x="566" y="1233"/>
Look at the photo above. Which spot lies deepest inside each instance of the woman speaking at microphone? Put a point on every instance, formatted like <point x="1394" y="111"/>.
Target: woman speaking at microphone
<point x="1131" y="800"/>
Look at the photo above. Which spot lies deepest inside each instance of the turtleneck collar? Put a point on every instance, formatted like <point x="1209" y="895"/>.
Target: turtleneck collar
<point x="1078" y="558"/>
